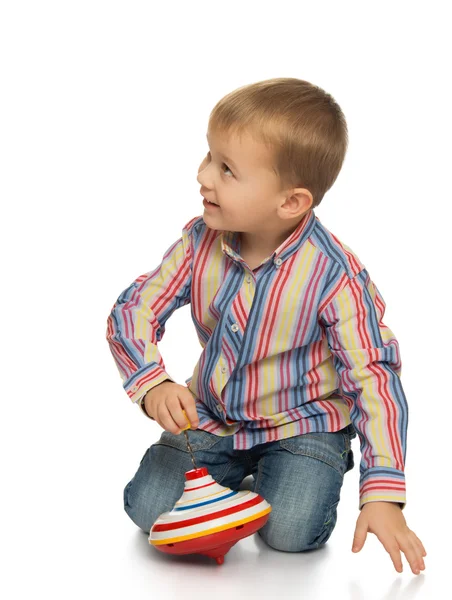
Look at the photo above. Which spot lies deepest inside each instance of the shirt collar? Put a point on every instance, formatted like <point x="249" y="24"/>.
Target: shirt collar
<point x="230" y="240"/>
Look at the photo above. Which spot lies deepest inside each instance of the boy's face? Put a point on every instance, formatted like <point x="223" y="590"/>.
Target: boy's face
<point x="237" y="175"/>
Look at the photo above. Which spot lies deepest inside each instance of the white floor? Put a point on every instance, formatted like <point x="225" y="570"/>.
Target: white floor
<point x="122" y="561"/>
<point x="254" y="570"/>
<point x="65" y="533"/>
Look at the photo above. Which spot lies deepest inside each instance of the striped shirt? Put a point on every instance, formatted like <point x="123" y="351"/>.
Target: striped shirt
<point x="295" y="345"/>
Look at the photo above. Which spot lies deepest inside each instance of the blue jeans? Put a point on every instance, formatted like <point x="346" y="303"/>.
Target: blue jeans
<point x="301" y="477"/>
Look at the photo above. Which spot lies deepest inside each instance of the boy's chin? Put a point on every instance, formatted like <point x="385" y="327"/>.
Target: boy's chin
<point x="209" y="221"/>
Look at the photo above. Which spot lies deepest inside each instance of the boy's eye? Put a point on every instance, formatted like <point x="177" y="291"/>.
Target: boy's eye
<point x="223" y="164"/>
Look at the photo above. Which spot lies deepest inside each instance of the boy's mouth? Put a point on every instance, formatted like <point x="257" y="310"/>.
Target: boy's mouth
<point x="210" y="205"/>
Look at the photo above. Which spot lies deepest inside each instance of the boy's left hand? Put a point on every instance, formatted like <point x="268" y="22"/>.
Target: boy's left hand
<point x="387" y="522"/>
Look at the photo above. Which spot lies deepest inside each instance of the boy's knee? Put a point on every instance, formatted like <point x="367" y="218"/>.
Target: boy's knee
<point x="139" y="511"/>
<point x="296" y="539"/>
<point x="285" y="544"/>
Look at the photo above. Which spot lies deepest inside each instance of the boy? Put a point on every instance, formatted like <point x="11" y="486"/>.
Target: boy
<point x="296" y="359"/>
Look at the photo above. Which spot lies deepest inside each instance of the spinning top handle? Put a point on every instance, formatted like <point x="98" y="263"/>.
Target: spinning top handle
<point x="186" y="438"/>
<point x="189" y="424"/>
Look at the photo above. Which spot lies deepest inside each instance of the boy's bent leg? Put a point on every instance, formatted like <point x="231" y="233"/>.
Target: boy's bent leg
<point x="301" y="477"/>
<point x="160" y="479"/>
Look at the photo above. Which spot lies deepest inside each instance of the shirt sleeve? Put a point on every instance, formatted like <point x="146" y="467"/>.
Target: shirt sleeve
<point x="367" y="359"/>
<point x="137" y="319"/>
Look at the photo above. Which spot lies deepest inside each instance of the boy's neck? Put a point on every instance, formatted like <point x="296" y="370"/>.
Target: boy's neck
<point x="258" y="245"/>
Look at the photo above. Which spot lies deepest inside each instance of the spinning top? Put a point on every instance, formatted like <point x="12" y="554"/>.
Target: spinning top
<point x="208" y="518"/>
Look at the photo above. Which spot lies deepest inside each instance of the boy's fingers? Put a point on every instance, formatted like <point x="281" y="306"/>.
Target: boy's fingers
<point x="190" y="415"/>
<point x="419" y="549"/>
<point x="396" y="558"/>
<point x="420" y="544"/>
<point x="412" y="553"/>
<point x="360" y="534"/>
<point x="191" y="418"/>
<point x="169" y="424"/>
<point x="393" y="550"/>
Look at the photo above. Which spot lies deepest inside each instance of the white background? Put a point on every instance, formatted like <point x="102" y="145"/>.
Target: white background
<point x="104" y="111"/>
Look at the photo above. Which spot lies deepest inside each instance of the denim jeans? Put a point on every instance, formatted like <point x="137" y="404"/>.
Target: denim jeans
<point x="301" y="478"/>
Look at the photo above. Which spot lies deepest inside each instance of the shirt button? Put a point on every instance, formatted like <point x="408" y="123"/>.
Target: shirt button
<point x="248" y="279"/>
<point x="134" y="389"/>
<point x="278" y="262"/>
<point x="234" y="327"/>
<point x="219" y="407"/>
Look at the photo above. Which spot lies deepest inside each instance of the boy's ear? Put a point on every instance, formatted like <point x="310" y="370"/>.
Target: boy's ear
<point x="299" y="200"/>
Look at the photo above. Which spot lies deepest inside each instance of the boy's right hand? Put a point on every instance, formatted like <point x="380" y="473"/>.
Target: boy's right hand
<point x="165" y="402"/>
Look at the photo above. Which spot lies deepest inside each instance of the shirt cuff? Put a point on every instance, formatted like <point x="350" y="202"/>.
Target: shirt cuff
<point x="150" y="376"/>
<point x="382" y="484"/>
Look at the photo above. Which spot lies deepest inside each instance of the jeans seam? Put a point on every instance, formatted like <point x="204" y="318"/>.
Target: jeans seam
<point x="259" y="473"/>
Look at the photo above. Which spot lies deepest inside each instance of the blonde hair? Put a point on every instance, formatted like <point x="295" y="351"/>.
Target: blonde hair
<point x="302" y="125"/>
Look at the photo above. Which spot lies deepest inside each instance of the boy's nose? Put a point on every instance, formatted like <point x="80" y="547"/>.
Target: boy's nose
<point x="203" y="165"/>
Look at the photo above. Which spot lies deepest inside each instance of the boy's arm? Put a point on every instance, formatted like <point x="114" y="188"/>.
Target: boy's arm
<point x="137" y="320"/>
<point x="367" y="359"/>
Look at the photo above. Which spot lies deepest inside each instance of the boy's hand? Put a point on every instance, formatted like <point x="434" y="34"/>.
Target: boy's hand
<point x="165" y="403"/>
<point x="387" y="522"/>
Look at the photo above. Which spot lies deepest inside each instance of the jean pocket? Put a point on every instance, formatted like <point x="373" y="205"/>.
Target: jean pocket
<point x="198" y="438"/>
<point x="332" y="448"/>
